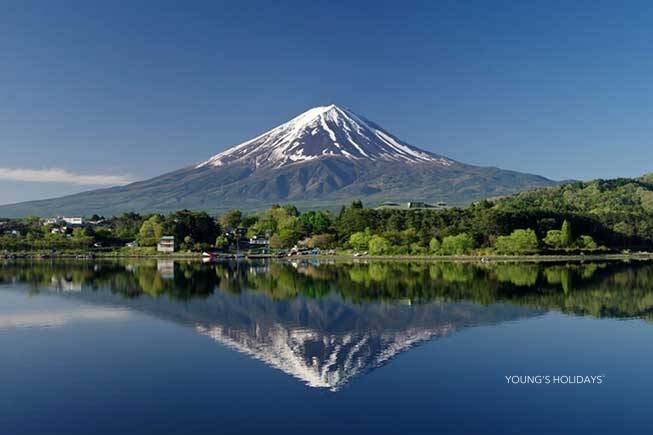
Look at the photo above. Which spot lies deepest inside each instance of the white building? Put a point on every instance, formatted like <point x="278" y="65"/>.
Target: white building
<point x="51" y="221"/>
<point x="259" y="241"/>
<point x="166" y="244"/>
<point x="73" y="220"/>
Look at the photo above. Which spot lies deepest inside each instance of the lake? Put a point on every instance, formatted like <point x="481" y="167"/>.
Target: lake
<point x="141" y="347"/>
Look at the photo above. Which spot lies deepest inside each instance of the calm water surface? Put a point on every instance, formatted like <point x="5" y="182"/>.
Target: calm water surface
<point x="143" y="347"/>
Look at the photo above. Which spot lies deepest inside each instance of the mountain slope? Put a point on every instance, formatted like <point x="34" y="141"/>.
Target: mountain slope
<point x="323" y="157"/>
<point x="326" y="131"/>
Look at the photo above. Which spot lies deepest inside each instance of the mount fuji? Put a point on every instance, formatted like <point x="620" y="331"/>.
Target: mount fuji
<point x="319" y="133"/>
<point x="324" y="157"/>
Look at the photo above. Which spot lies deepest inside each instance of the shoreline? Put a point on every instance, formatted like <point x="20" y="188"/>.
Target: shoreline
<point x="501" y="258"/>
<point x="644" y="256"/>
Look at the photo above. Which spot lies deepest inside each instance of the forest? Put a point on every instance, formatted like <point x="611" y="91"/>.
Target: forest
<point x="598" y="215"/>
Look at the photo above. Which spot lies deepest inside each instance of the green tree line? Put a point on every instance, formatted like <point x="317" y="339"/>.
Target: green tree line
<point x="574" y="217"/>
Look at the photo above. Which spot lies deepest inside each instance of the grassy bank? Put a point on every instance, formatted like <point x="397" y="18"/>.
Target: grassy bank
<point x="101" y="253"/>
<point x="340" y="256"/>
<point x="492" y="258"/>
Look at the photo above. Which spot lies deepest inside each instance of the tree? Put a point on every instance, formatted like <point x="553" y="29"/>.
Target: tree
<point x="518" y="242"/>
<point x="150" y="231"/>
<point x="566" y="236"/>
<point x="189" y="244"/>
<point x="457" y="245"/>
<point x="418" y="249"/>
<point x="288" y="237"/>
<point x="434" y="246"/>
<point x="553" y="239"/>
<point x="275" y="242"/>
<point x="222" y="242"/>
<point x="291" y="210"/>
<point x="127" y="226"/>
<point x="586" y="242"/>
<point x="395" y="222"/>
<point x="266" y="224"/>
<point x="81" y="237"/>
<point x="231" y="219"/>
<point x="199" y="226"/>
<point x="379" y="246"/>
<point x="356" y="219"/>
<point x="360" y="240"/>
<point x="315" y="221"/>
<point x="248" y="221"/>
<point x="624" y="228"/>
<point x="358" y="204"/>
<point x="322" y="241"/>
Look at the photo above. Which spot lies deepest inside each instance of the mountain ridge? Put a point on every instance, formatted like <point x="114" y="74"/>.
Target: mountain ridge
<point x="323" y="132"/>
<point x="322" y="158"/>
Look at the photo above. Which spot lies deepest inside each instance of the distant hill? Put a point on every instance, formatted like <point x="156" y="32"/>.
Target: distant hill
<point x="623" y="206"/>
<point x="322" y="158"/>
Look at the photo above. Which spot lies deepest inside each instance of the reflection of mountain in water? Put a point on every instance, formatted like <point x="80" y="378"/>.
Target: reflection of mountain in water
<point x="328" y="323"/>
<point x="318" y="360"/>
<point x="323" y="342"/>
<point x="327" y="342"/>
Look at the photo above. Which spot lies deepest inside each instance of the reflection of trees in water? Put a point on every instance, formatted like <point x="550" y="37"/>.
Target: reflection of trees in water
<point x="598" y="289"/>
<point x="130" y="279"/>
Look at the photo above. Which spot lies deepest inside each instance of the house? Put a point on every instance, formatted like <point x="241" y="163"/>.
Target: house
<point x="61" y="220"/>
<point x="418" y="204"/>
<point x="166" y="244"/>
<point x="73" y="220"/>
<point x="389" y="204"/>
<point x="51" y="221"/>
<point x="259" y="245"/>
<point x="258" y="242"/>
<point x="412" y="205"/>
<point x="133" y="244"/>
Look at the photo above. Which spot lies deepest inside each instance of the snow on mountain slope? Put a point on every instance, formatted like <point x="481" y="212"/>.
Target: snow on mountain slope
<point x="324" y="157"/>
<point x="322" y="360"/>
<point x="325" y="131"/>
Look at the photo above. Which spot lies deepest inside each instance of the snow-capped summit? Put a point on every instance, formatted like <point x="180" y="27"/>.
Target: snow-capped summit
<point x="328" y="155"/>
<point x="322" y="132"/>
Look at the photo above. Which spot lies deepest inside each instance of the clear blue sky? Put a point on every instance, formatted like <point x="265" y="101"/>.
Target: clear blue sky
<point x="134" y="89"/>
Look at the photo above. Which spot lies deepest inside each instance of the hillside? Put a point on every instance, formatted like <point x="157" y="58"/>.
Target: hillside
<point x="578" y="217"/>
<point x="323" y="158"/>
<point x="623" y="206"/>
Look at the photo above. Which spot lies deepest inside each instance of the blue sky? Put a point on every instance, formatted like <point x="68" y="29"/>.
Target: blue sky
<point x="94" y="93"/>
